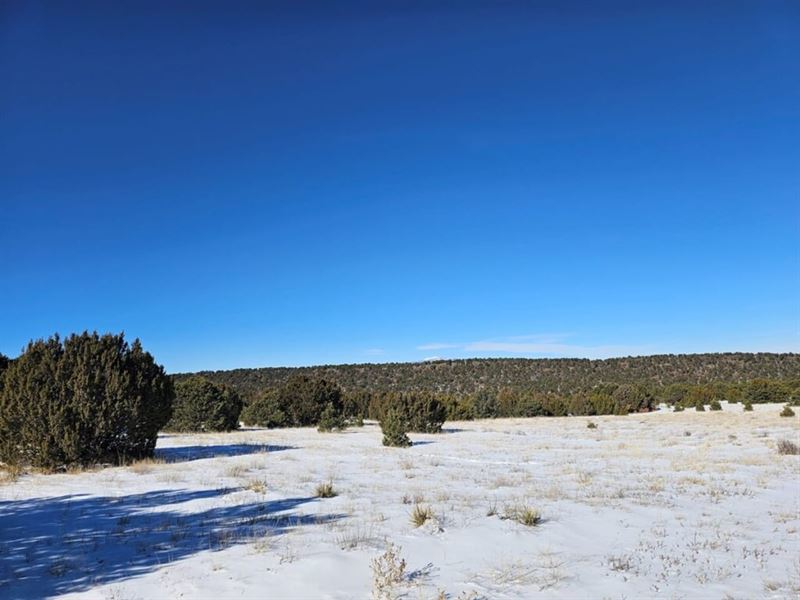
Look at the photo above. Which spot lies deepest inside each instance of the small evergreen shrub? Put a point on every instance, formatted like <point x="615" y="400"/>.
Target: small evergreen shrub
<point x="484" y="404"/>
<point x="201" y="405"/>
<point x="331" y="419"/>
<point x="591" y="425"/>
<point x="89" y="399"/>
<point x="458" y="409"/>
<point x="303" y="399"/>
<point x="265" y="412"/>
<point x="715" y="405"/>
<point x="394" y="427"/>
<point x="699" y="407"/>
<point x="678" y="408"/>
<point x="632" y="398"/>
<point x="787" y="411"/>
<point x="748" y="406"/>
<point x="423" y="411"/>
<point x="580" y="405"/>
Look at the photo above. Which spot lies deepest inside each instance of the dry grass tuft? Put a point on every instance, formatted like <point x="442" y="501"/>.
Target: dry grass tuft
<point x="420" y="514"/>
<point x="522" y="514"/>
<point x="145" y="465"/>
<point x="787" y="447"/>
<point x="10" y="473"/>
<point x="325" y="490"/>
<point x="259" y="486"/>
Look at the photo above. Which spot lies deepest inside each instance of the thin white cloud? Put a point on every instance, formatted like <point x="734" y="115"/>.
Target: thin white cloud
<point x="549" y="345"/>
<point x="432" y="358"/>
<point x="436" y="346"/>
<point x="374" y="351"/>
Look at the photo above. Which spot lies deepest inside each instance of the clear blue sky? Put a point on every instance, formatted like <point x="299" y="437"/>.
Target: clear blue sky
<point x="250" y="186"/>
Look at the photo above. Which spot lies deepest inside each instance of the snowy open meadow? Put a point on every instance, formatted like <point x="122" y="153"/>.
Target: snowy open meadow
<point x="657" y="505"/>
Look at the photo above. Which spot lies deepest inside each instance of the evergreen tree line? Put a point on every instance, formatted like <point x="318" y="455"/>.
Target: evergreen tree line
<point x="562" y="376"/>
<point x="604" y="399"/>
<point x="94" y="398"/>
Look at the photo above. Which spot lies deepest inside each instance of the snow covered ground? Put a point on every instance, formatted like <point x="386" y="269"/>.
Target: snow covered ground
<point x="661" y="505"/>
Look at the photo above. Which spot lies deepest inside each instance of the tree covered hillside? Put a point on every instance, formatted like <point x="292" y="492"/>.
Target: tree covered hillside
<point x="558" y="375"/>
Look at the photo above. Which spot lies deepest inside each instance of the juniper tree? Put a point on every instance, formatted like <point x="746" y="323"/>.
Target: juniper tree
<point x="90" y="399"/>
<point x="331" y="419"/>
<point x="394" y="427"/>
<point x="265" y="411"/>
<point x="303" y="399"/>
<point x="201" y="405"/>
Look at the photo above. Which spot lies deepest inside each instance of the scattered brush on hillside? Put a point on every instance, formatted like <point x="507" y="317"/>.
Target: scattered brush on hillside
<point x="567" y="375"/>
<point x="462" y="390"/>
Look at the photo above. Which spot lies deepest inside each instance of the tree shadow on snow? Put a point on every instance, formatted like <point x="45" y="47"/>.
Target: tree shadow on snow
<point x="188" y="453"/>
<point x="57" y="545"/>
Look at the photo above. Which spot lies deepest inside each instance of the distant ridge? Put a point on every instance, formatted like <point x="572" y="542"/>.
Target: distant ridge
<point x="564" y="375"/>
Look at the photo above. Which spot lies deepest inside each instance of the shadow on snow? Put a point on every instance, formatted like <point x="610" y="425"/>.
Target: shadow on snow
<point x="187" y="453"/>
<point x="57" y="545"/>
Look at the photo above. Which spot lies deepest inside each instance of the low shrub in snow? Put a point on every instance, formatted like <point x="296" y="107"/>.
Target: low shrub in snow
<point x="787" y="447"/>
<point x="394" y="427"/>
<point x="388" y="571"/>
<point x="787" y="411"/>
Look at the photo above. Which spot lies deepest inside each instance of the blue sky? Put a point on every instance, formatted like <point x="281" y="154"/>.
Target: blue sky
<point x="252" y="185"/>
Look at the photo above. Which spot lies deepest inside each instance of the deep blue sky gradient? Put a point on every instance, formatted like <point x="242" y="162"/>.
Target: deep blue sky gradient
<point x="251" y="184"/>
